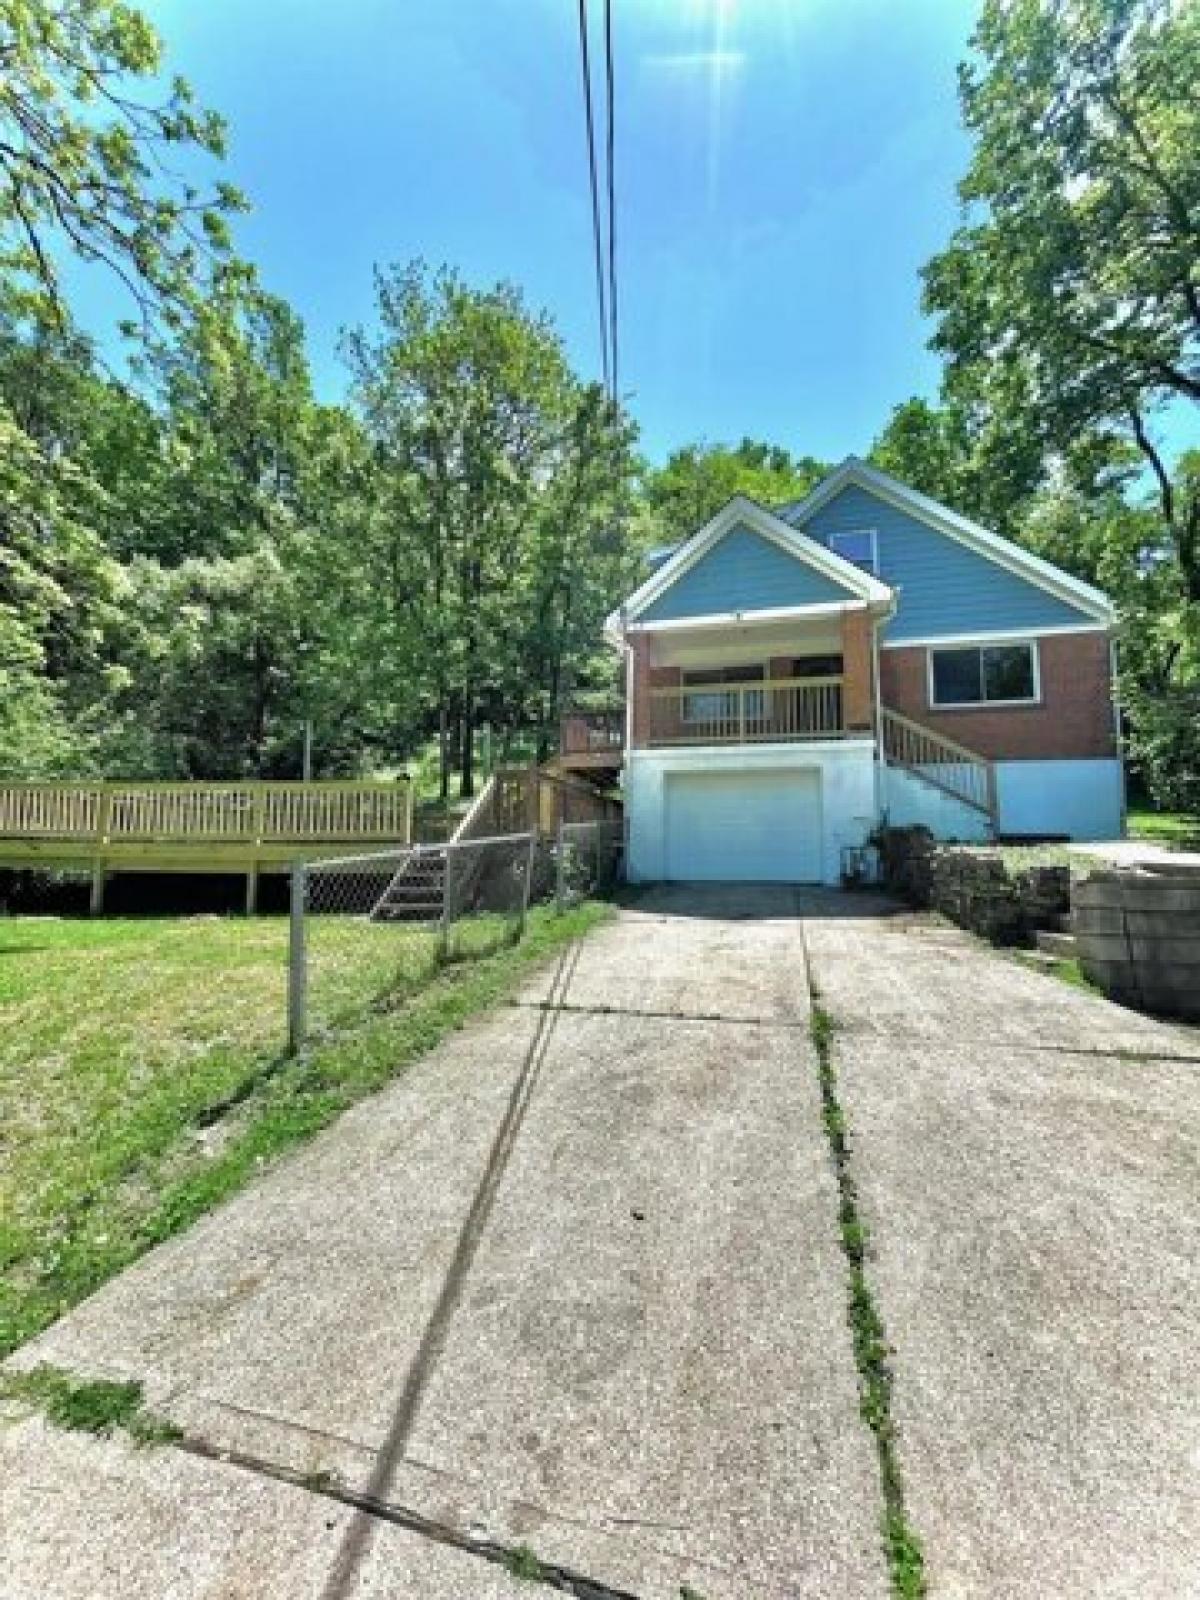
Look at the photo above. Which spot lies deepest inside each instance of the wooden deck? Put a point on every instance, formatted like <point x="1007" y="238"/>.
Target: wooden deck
<point x="592" y="742"/>
<point x="243" y="828"/>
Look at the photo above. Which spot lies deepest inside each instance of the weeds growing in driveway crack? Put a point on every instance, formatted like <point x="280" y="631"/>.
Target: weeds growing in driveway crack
<point x="85" y="1405"/>
<point x="523" y="1563"/>
<point x="906" y="1563"/>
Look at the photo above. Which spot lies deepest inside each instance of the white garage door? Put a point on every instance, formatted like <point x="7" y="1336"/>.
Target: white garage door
<point x="748" y="827"/>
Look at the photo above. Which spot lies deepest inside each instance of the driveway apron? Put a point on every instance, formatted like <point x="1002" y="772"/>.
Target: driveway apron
<point x="573" y="1284"/>
<point x="1028" y="1161"/>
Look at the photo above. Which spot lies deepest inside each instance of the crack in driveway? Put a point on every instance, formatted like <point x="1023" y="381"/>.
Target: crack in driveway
<point x="433" y="1340"/>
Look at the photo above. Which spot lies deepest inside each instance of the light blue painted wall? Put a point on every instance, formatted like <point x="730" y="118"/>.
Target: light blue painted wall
<point x="1079" y="799"/>
<point x="744" y="572"/>
<point x="907" y="800"/>
<point x="944" y="588"/>
<point x="1082" y="799"/>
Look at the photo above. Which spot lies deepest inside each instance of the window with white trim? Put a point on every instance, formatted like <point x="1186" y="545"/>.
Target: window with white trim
<point x="860" y="545"/>
<point x="984" y="674"/>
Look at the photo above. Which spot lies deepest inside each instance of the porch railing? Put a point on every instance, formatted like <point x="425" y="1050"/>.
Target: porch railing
<point x="206" y="813"/>
<point x="747" y="713"/>
<point x="957" y="771"/>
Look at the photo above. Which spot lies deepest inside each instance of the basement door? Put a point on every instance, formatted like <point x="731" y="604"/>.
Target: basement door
<point x="744" y="827"/>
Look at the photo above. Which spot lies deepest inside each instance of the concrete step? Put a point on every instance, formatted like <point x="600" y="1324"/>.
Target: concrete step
<point x="410" y="911"/>
<point x="1059" y="945"/>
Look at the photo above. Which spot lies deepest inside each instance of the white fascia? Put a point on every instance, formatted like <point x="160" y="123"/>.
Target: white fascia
<point x="746" y="619"/>
<point x="1002" y="636"/>
<point x="1023" y="563"/>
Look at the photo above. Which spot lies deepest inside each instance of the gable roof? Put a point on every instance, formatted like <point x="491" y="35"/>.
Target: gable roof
<point x="1014" y="557"/>
<point x="859" y="586"/>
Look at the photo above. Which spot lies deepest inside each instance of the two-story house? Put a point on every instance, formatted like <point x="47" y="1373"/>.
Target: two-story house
<point x="796" y="677"/>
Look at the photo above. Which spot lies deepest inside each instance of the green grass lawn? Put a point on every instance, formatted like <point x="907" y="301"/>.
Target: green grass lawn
<point x="142" y="1076"/>
<point x="1172" y="829"/>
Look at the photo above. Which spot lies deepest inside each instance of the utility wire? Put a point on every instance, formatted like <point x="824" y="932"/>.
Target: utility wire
<point x="597" y="231"/>
<point x="612" y="201"/>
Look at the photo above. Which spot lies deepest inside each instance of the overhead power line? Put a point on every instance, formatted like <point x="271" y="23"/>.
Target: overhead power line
<point x="597" y="228"/>
<point x="610" y="101"/>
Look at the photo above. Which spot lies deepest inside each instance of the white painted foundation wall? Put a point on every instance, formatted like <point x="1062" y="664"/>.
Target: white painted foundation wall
<point x="907" y="801"/>
<point x="1077" y="799"/>
<point x="1082" y="799"/>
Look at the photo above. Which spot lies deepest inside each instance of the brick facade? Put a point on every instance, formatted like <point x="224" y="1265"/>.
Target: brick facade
<point x="1074" y="719"/>
<point x="857" y="675"/>
<point x="640" y="670"/>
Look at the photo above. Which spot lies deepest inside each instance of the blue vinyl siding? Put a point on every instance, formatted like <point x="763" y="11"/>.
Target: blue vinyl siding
<point x="744" y="572"/>
<point x="944" y="588"/>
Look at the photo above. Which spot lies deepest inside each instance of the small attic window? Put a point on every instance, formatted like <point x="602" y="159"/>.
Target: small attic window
<point x="860" y="545"/>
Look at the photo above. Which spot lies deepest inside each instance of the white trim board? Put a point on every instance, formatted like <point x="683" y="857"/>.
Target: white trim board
<point x="1003" y="636"/>
<point x="752" y="754"/>
<point x="741" y="510"/>
<point x="1023" y="563"/>
<point x="747" y="619"/>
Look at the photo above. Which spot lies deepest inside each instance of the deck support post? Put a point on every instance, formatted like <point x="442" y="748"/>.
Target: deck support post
<point x="252" y="890"/>
<point x="96" y="900"/>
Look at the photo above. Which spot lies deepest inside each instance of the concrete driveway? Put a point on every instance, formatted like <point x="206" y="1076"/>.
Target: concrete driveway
<point x="575" y="1283"/>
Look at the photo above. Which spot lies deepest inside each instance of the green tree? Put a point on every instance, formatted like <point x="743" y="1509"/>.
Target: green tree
<point x="1068" y="302"/>
<point x="987" y="471"/>
<point x="496" y="468"/>
<point x="60" y="596"/>
<point x="1068" y="311"/>
<point x="86" y="164"/>
<point x="698" y="479"/>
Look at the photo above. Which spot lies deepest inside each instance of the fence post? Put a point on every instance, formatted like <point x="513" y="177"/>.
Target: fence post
<point x="529" y="860"/>
<point x="560" y="868"/>
<point x="104" y="809"/>
<point x="444" y="919"/>
<point x="297" y="958"/>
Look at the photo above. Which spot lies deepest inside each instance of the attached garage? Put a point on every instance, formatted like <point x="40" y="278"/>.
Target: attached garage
<point x="761" y="825"/>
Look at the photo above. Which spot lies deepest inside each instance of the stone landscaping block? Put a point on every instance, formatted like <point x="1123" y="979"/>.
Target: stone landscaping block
<point x="974" y="888"/>
<point x="1139" y="936"/>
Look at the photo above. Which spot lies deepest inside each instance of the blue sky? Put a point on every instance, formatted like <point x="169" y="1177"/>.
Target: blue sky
<point x="785" y="167"/>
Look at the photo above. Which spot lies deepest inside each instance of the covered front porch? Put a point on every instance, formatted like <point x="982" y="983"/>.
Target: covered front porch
<point x="742" y="682"/>
<point x="759" y="681"/>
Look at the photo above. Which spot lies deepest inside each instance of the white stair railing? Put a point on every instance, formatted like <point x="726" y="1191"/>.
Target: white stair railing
<point x="950" y="767"/>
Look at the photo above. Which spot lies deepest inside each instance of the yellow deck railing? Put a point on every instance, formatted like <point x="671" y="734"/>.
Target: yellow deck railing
<point x="207" y="813"/>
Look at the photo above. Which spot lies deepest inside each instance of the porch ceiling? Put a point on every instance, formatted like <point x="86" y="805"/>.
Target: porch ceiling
<point x="746" y="641"/>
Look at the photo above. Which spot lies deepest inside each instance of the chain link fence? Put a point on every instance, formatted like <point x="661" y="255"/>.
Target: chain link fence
<point x="366" y="930"/>
<point x="588" y="858"/>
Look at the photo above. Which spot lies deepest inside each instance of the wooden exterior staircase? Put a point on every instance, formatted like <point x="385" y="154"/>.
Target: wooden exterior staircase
<point x="417" y="888"/>
<point x="964" y="775"/>
<point x="514" y="800"/>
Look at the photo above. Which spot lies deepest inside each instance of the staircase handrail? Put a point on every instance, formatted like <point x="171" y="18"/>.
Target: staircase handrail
<point x="944" y="752"/>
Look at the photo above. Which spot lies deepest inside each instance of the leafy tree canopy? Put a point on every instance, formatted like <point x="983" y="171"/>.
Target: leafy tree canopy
<point x="698" y="479"/>
<point x="1068" y="302"/>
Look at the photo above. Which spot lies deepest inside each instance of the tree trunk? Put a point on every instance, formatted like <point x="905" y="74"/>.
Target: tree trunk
<point x="443" y="754"/>
<point x="467" y="768"/>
